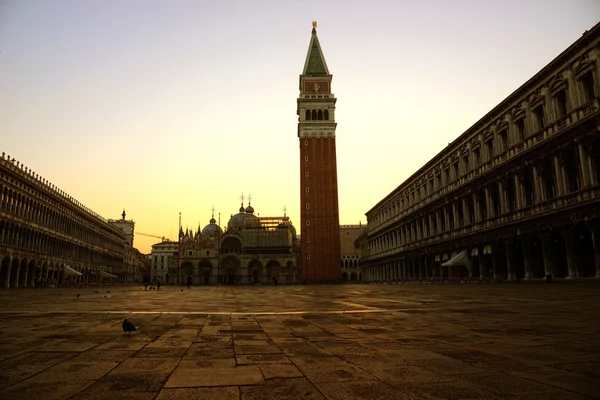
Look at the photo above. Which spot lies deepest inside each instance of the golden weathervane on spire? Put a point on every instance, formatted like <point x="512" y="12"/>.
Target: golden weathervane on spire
<point x="314" y="24"/>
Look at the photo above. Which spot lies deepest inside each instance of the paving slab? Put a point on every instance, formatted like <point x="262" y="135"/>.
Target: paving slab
<point x="198" y="377"/>
<point x="529" y="341"/>
<point x="282" y="389"/>
<point x="213" y="393"/>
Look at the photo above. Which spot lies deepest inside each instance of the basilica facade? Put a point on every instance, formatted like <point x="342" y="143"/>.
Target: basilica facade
<point x="249" y="250"/>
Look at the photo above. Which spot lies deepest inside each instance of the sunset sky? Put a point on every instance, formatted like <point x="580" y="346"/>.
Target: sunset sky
<point x="161" y="107"/>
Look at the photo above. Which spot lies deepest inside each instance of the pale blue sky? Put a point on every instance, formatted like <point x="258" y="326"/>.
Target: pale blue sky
<point x="167" y="106"/>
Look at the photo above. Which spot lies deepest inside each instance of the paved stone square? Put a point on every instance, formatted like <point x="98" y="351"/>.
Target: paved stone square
<point x="443" y="341"/>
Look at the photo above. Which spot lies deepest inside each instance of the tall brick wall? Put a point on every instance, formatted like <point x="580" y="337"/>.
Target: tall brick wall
<point x="319" y="211"/>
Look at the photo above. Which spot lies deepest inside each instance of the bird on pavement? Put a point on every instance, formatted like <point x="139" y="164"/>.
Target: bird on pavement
<point x="128" y="327"/>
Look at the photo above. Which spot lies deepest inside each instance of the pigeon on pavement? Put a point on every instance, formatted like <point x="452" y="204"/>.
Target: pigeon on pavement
<point x="128" y="327"/>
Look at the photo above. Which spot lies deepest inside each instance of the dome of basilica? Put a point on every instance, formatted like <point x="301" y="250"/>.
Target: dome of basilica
<point x="236" y="222"/>
<point x="212" y="229"/>
<point x="243" y="219"/>
<point x="287" y="224"/>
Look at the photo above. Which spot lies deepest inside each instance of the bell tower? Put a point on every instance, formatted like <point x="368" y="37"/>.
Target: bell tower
<point x="319" y="214"/>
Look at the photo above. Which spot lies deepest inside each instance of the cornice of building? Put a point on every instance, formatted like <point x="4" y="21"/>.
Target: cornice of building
<point x="588" y="37"/>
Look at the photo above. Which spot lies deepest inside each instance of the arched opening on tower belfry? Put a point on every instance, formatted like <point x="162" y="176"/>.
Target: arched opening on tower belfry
<point x="326" y="115"/>
<point x="307" y="114"/>
<point x="314" y="115"/>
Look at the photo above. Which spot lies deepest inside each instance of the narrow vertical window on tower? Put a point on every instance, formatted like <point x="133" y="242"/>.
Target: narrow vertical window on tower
<point x="305" y="158"/>
<point x="307" y="206"/>
<point x="306" y="189"/>
<point x="306" y="174"/>
<point x="306" y="142"/>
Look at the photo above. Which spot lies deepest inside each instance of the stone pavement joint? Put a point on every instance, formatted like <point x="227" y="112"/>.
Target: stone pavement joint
<point x="311" y="342"/>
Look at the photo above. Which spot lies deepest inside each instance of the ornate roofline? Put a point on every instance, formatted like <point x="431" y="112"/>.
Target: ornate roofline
<point x="530" y="85"/>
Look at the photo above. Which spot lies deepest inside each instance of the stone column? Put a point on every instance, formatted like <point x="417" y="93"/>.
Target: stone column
<point x="446" y="219"/>
<point x="466" y="214"/>
<point x="24" y="276"/>
<point x="510" y="258"/>
<point x="502" y="196"/>
<point x="570" y="250"/>
<point x="16" y="278"/>
<point x="488" y="202"/>
<point x="548" y="253"/>
<point x="482" y="266"/>
<point x="477" y="208"/>
<point x="520" y="201"/>
<point x="7" y="282"/>
<point x="455" y="215"/>
<point x="538" y="185"/>
<point x="584" y="165"/>
<point x="432" y="232"/>
<point x="595" y="232"/>
<point x="560" y="176"/>
<point x="470" y="264"/>
<point x="495" y="260"/>
<point x="527" y="256"/>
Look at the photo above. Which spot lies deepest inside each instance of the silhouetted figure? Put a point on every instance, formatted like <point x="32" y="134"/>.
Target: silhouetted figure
<point x="158" y="286"/>
<point x="146" y="286"/>
<point x="128" y="327"/>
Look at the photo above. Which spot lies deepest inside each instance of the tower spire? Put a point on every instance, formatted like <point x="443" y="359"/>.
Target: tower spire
<point x="315" y="64"/>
